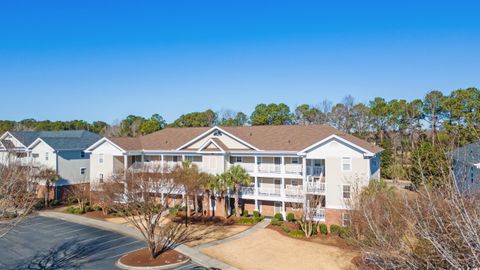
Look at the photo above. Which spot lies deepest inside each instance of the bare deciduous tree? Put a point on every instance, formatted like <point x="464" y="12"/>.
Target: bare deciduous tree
<point x="136" y="196"/>
<point x="16" y="201"/>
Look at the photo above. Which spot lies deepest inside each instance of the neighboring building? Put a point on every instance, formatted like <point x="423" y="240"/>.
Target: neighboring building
<point x="466" y="167"/>
<point x="62" y="151"/>
<point x="289" y="165"/>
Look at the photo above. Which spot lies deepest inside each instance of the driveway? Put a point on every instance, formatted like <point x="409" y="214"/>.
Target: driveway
<point x="47" y="243"/>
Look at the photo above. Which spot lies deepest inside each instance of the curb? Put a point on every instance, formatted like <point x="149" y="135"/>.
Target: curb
<point x="160" y="267"/>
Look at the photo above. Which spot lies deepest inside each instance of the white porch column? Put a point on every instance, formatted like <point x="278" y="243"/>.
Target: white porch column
<point x="255" y="168"/>
<point x="282" y="187"/>
<point x="282" y="166"/>
<point x="183" y="199"/>
<point x="125" y="163"/>
<point x="255" y="192"/>
<point x="284" y="211"/>
<point x="305" y="182"/>
<point x="162" y="166"/>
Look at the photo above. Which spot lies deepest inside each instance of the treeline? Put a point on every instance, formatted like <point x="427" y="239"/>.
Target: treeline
<point x="407" y="130"/>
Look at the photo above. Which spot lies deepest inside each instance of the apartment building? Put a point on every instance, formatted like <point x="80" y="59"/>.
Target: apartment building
<point x="289" y="165"/>
<point x="466" y="167"/>
<point x="61" y="151"/>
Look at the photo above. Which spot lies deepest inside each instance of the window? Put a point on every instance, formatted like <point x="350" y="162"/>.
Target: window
<point x="346" y="219"/>
<point x="259" y="160"/>
<point x="82" y="154"/>
<point x="100" y="158"/>
<point x="317" y="163"/>
<point x="83" y="170"/>
<point x="346" y="164"/>
<point x="35" y="155"/>
<point x="46" y="155"/>
<point x="295" y="160"/>
<point x="238" y="159"/>
<point x="189" y="158"/>
<point x="100" y="178"/>
<point x="346" y="191"/>
<point x="175" y="158"/>
<point x="277" y="160"/>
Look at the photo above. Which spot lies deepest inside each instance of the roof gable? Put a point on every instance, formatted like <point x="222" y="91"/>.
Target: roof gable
<point x="221" y="138"/>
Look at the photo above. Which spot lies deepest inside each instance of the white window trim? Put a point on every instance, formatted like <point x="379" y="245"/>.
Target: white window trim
<point x="237" y="158"/>
<point x="46" y="156"/>
<point x="343" y="163"/>
<point x="343" y="192"/>
<point x="343" y="219"/>
<point x="101" y="158"/>
<point x="295" y="158"/>
<point x="85" y="170"/>
<point x="100" y="177"/>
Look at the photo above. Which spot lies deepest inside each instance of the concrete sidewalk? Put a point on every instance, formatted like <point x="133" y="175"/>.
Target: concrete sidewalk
<point x="193" y="253"/>
<point x="259" y="226"/>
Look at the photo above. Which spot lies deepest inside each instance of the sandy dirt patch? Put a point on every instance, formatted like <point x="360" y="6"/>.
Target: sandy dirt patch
<point x="215" y="232"/>
<point x="267" y="249"/>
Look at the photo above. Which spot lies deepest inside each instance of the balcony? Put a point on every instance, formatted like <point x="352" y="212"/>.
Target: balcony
<point x="319" y="214"/>
<point x="316" y="188"/>
<point x="294" y="192"/>
<point x="269" y="192"/>
<point x="293" y="169"/>
<point x="249" y="167"/>
<point x="247" y="191"/>
<point x="269" y="168"/>
<point x="315" y="170"/>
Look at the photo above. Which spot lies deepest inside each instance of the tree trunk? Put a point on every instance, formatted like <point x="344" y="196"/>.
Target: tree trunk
<point x="187" y="209"/>
<point x="195" y="203"/>
<point x="47" y="193"/>
<point x="237" y="209"/>
<point x="208" y="203"/>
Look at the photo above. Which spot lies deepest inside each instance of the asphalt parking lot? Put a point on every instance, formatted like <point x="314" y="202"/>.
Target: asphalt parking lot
<point x="47" y="243"/>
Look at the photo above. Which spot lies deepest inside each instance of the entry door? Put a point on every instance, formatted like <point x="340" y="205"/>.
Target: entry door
<point x="277" y="207"/>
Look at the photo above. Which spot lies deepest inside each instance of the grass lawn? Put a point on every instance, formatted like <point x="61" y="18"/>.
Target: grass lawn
<point x="268" y="249"/>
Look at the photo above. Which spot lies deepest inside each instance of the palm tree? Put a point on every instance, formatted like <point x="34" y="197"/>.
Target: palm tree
<point x="49" y="176"/>
<point x="208" y="184"/>
<point x="222" y="184"/>
<point x="238" y="176"/>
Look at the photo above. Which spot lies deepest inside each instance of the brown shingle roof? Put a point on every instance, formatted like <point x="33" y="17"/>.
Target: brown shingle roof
<point x="127" y="143"/>
<point x="268" y="138"/>
<point x="292" y="138"/>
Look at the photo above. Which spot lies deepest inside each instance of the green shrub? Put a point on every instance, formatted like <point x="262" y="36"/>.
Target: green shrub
<point x="97" y="208"/>
<point x="334" y="229"/>
<point x="72" y="200"/>
<point x="40" y="204"/>
<point x="245" y="213"/>
<point x="314" y="230"/>
<point x="339" y="230"/>
<point x="245" y="220"/>
<point x="258" y="219"/>
<point x="78" y="211"/>
<point x="297" y="234"/>
<point x="88" y="208"/>
<point x="256" y="214"/>
<point x="278" y="216"/>
<point x="54" y="203"/>
<point x="276" y="222"/>
<point x="173" y="211"/>
<point x="323" y="229"/>
<point x="9" y="215"/>
<point x="285" y="228"/>
<point x="290" y="217"/>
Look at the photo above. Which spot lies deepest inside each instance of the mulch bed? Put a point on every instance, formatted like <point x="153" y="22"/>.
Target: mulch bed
<point x="142" y="257"/>
<point x="330" y="240"/>
<point x="204" y="220"/>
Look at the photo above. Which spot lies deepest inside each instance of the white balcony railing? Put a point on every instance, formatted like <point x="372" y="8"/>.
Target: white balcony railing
<point x="269" y="168"/>
<point x="314" y="170"/>
<point x="249" y="167"/>
<point x="248" y="191"/>
<point x="316" y="188"/>
<point x="269" y="192"/>
<point x="294" y="192"/>
<point x="319" y="214"/>
<point x="293" y="168"/>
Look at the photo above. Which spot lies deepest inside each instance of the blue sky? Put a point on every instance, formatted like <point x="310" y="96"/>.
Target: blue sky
<point x="103" y="60"/>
